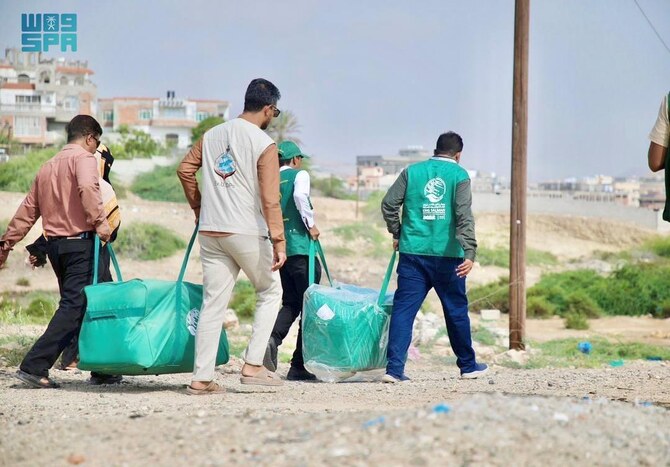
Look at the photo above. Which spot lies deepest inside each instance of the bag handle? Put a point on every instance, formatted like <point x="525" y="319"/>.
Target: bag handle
<point x="184" y="263"/>
<point x="314" y="249"/>
<point x="387" y="279"/>
<point x="96" y="260"/>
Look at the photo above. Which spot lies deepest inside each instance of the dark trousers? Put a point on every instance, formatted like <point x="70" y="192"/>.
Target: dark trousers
<point x="417" y="274"/>
<point x="71" y="352"/>
<point x="294" y="280"/>
<point x="72" y="261"/>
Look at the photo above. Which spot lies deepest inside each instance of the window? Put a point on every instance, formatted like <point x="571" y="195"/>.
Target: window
<point x="200" y="116"/>
<point x="27" y="99"/>
<point x="108" y="115"/>
<point x="27" y="126"/>
<point x="64" y="81"/>
<point x="145" y="114"/>
<point x="173" y="112"/>
<point x="71" y="103"/>
<point x="24" y="78"/>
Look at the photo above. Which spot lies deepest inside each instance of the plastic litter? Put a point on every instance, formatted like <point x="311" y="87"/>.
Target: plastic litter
<point x="655" y="359"/>
<point x="584" y="347"/>
<point x="441" y="408"/>
<point x="374" y="422"/>
<point x="616" y="363"/>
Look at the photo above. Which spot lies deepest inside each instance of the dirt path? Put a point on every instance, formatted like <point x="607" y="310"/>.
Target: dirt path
<point x="575" y="418"/>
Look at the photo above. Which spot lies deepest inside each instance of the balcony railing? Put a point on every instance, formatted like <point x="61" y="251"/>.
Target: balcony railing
<point x="42" y="109"/>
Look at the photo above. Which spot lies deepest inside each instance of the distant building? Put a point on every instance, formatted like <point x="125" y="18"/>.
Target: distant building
<point x="168" y="120"/>
<point x="379" y="172"/>
<point x="38" y="96"/>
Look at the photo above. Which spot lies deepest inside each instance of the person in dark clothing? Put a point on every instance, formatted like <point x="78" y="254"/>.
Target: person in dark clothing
<point x="69" y="235"/>
<point x="299" y="228"/>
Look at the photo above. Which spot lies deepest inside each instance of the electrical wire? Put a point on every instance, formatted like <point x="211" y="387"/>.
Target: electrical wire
<point x="652" y="26"/>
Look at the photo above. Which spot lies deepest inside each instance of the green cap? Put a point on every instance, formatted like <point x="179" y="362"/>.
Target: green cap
<point x="288" y="150"/>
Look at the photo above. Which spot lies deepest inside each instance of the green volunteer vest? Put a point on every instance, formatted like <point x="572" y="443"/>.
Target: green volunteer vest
<point x="428" y="213"/>
<point x="297" y="236"/>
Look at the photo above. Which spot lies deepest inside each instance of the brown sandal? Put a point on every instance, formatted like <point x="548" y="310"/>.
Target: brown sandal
<point x="211" y="388"/>
<point x="264" y="377"/>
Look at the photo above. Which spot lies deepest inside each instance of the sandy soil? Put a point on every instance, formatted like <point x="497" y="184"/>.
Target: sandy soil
<point x="609" y="416"/>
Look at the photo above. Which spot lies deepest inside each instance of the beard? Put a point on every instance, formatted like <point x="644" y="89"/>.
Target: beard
<point x="266" y="124"/>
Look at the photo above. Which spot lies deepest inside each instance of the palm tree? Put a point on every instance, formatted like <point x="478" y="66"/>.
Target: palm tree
<point x="285" y="127"/>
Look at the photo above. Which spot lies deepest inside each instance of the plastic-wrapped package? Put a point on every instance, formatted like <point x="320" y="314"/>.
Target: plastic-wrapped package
<point x="345" y="328"/>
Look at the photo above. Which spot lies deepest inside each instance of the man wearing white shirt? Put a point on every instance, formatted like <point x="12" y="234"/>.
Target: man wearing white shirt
<point x="658" y="149"/>
<point x="299" y="228"/>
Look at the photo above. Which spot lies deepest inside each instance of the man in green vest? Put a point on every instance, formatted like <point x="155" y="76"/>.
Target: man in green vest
<point x="299" y="228"/>
<point x="437" y="245"/>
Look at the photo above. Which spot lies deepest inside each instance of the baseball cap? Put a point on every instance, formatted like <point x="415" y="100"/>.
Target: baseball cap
<point x="288" y="150"/>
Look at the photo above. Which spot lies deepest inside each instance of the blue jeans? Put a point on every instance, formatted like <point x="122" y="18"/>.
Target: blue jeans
<point x="417" y="274"/>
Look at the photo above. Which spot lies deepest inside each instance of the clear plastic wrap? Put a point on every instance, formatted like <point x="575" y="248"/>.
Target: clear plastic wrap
<point x="344" y="330"/>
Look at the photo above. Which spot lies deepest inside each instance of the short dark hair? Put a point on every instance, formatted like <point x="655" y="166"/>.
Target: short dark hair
<point x="449" y="143"/>
<point x="283" y="162"/>
<point x="82" y="125"/>
<point x="260" y="93"/>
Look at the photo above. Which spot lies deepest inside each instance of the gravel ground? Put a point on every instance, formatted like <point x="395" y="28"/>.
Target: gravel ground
<point x="608" y="416"/>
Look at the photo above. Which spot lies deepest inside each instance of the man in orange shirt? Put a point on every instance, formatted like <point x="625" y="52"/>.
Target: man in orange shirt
<point x="66" y="194"/>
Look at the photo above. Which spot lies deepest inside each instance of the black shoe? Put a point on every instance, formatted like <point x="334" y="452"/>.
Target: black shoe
<point x="270" y="358"/>
<point x="36" y="381"/>
<point x="97" y="380"/>
<point x="299" y="374"/>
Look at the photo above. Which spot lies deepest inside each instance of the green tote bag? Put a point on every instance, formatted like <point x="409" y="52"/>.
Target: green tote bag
<point x="142" y="327"/>
<point x="344" y="327"/>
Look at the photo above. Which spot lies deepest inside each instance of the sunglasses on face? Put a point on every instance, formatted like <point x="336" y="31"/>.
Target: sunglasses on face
<point x="276" y="111"/>
<point x="97" y="141"/>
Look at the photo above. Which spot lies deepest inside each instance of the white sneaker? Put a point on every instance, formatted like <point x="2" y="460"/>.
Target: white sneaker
<point x="480" y="369"/>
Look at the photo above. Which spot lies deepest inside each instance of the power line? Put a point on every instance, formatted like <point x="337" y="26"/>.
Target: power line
<point x="652" y="27"/>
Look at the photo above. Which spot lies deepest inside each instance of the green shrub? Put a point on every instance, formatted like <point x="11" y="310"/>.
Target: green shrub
<point x="580" y="303"/>
<point x="161" y="184"/>
<point x="147" y="242"/>
<point x="14" y="348"/>
<point x="500" y="257"/>
<point x="659" y="246"/>
<point x="539" y="307"/>
<point x="331" y="187"/>
<point x="40" y="308"/>
<point x="372" y="210"/>
<point x="119" y="188"/>
<point x="18" y="174"/>
<point x="576" y="321"/>
<point x="134" y="143"/>
<point x="201" y="128"/>
<point x="244" y="299"/>
<point x="493" y="257"/>
<point x="540" y="258"/>
<point x="492" y="295"/>
<point x="377" y="244"/>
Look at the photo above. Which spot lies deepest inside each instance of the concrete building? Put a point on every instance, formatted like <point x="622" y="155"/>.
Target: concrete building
<point x="168" y="120"/>
<point x="38" y="96"/>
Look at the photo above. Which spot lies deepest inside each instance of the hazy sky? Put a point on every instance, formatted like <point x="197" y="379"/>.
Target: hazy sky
<point x="372" y="76"/>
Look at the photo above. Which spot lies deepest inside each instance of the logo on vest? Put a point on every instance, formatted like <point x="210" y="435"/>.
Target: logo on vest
<point x="192" y="320"/>
<point x="435" y="190"/>
<point x="224" y="165"/>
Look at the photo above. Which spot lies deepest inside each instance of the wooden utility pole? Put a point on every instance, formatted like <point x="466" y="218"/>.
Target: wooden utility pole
<point x="517" y="263"/>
